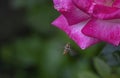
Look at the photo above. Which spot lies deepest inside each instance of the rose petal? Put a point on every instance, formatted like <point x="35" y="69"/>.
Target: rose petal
<point x="83" y="5"/>
<point x="74" y="32"/>
<point x="116" y="3"/>
<point x="104" y="2"/>
<point x="61" y="23"/>
<point x="105" y="12"/>
<point x="106" y="30"/>
<point x="70" y="11"/>
<point x="88" y="6"/>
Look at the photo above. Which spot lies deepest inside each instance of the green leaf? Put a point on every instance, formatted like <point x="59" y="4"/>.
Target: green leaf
<point x="115" y="76"/>
<point x="87" y="74"/>
<point x="102" y="68"/>
<point x="118" y="71"/>
<point x="111" y="54"/>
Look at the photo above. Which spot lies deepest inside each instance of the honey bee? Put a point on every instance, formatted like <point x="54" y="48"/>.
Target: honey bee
<point x="68" y="50"/>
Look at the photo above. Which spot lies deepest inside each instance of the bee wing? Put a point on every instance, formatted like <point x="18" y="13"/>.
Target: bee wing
<point x="73" y="53"/>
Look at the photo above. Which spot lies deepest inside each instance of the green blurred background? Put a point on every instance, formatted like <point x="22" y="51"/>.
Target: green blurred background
<point x="32" y="48"/>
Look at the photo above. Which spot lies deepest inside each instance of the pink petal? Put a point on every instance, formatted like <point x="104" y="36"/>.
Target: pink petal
<point x="74" y="32"/>
<point x="104" y="2"/>
<point x="89" y="5"/>
<point x="83" y="4"/>
<point x="70" y="11"/>
<point x="106" y="30"/>
<point x="116" y="3"/>
<point x="62" y="24"/>
<point x="105" y="12"/>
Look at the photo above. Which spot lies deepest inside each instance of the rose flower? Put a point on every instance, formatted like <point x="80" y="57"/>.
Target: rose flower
<point x="88" y="22"/>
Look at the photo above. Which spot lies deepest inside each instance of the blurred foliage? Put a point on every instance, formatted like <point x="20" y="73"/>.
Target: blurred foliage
<point x="32" y="48"/>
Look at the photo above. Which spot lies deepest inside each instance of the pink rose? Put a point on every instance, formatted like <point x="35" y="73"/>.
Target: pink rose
<point x="88" y="22"/>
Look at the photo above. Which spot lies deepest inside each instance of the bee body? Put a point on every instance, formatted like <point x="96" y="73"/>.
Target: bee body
<point x="68" y="50"/>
